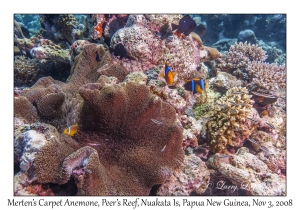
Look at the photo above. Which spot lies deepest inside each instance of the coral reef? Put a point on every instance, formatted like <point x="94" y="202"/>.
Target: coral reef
<point x="62" y="27"/>
<point x="191" y="130"/>
<point x="224" y="81"/>
<point x="136" y="77"/>
<point x="239" y="56"/>
<point x="267" y="76"/>
<point x="249" y="173"/>
<point x="114" y="23"/>
<point x="27" y="71"/>
<point x="148" y="49"/>
<point x="193" y="177"/>
<point x="48" y="50"/>
<point x="228" y="123"/>
<point x="138" y="133"/>
<point x="247" y="36"/>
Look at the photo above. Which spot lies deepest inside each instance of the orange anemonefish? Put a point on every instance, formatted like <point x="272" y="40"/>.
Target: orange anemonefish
<point x="169" y="74"/>
<point x="71" y="130"/>
<point x="195" y="85"/>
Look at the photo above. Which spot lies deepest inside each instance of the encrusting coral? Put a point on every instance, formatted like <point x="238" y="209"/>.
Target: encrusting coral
<point x="119" y="146"/>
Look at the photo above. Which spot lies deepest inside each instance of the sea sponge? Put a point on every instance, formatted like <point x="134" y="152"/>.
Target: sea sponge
<point x="116" y="122"/>
<point x="229" y="123"/>
<point x="213" y="53"/>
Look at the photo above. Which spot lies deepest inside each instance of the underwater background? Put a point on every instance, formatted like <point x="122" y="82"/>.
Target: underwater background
<point x="181" y="104"/>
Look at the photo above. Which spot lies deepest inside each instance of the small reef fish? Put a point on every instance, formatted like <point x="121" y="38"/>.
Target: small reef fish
<point x="222" y="156"/>
<point x="196" y="85"/>
<point x="169" y="74"/>
<point x="120" y="50"/>
<point x="195" y="163"/>
<point x="270" y="125"/>
<point x="240" y="104"/>
<point x="253" y="141"/>
<point x="234" y="111"/>
<point x="186" y="25"/>
<point x="237" y="93"/>
<point x="264" y="95"/>
<point x="156" y="121"/>
<point x="264" y="149"/>
<point x="253" y="120"/>
<point x="205" y="118"/>
<point x="222" y="105"/>
<point x="71" y="130"/>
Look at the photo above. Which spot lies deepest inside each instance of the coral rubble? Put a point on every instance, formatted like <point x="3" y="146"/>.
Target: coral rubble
<point x="249" y="173"/>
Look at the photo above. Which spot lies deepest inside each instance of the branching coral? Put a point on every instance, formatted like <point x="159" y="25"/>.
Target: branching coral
<point x="239" y="56"/>
<point x="267" y="76"/>
<point x="228" y="123"/>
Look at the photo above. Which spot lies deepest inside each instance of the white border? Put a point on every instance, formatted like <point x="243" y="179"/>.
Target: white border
<point x="8" y="8"/>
